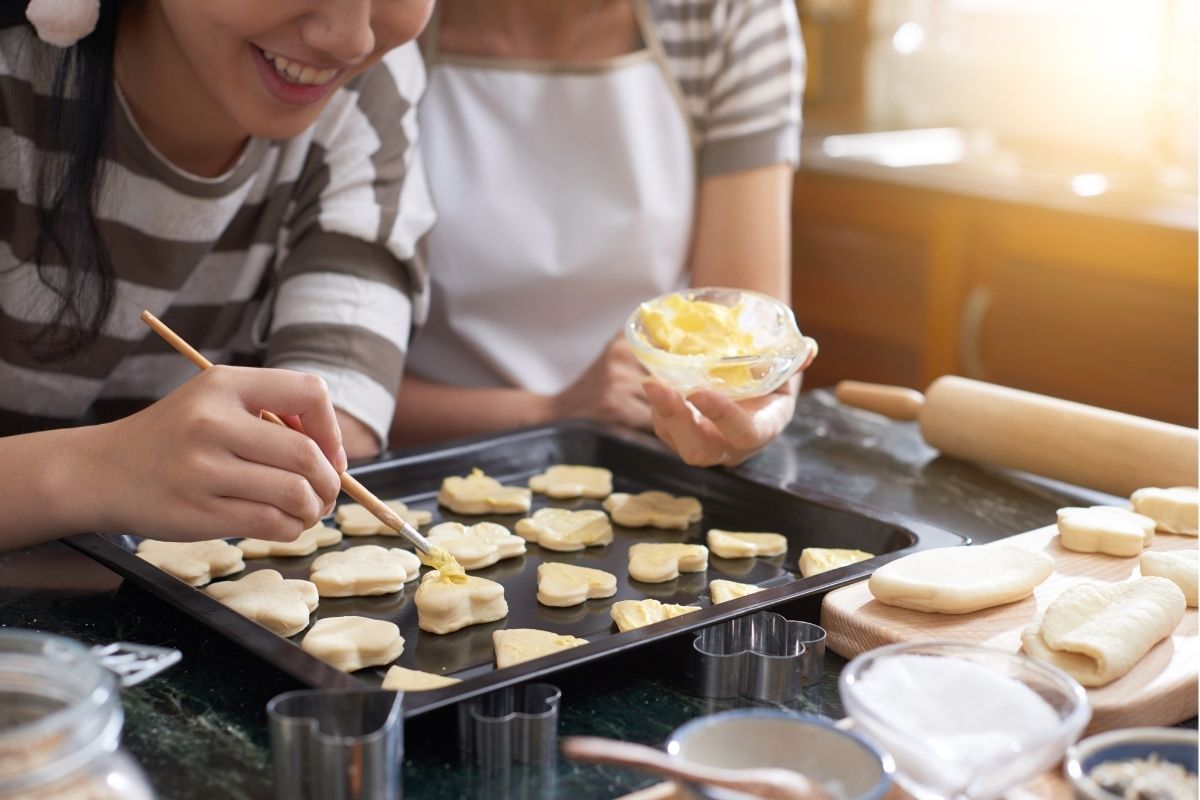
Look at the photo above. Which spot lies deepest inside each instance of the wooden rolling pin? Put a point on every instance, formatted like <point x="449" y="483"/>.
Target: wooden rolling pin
<point x="1072" y="442"/>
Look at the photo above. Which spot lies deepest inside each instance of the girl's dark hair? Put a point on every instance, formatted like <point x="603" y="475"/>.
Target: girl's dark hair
<point x="68" y="187"/>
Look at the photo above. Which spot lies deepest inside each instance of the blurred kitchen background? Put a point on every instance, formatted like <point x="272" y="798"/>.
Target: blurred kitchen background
<point x="1006" y="190"/>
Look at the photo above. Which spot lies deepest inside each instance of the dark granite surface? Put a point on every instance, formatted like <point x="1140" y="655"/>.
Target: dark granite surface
<point x="199" y="730"/>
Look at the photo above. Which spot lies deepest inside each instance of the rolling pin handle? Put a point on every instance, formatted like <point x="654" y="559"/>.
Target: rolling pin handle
<point x="896" y="402"/>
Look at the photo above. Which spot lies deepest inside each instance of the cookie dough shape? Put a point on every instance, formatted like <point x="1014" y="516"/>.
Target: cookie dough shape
<point x="264" y="596"/>
<point x="444" y="606"/>
<point x="525" y="644"/>
<point x="653" y="509"/>
<point x="194" y="563"/>
<point x="630" y="614"/>
<point x="728" y="544"/>
<point x="1174" y="510"/>
<point x="477" y="546"/>
<point x="959" y="580"/>
<point x="402" y="679"/>
<point x="815" y="560"/>
<point x="566" y="531"/>
<point x="661" y="562"/>
<point x="722" y="590"/>
<point x="1096" y="632"/>
<point x="1177" y="566"/>
<point x="562" y="585"/>
<point x="305" y="544"/>
<point x="565" y="482"/>
<point x="479" y="494"/>
<point x="364" y="571"/>
<point x="1104" y="529"/>
<point x="356" y="520"/>
<point x="353" y="643"/>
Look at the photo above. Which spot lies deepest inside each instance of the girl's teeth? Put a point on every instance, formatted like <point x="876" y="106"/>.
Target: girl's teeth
<point x="299" y="73"/>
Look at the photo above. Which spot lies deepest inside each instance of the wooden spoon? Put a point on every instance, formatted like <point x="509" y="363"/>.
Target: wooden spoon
<point x="771" y="783"/>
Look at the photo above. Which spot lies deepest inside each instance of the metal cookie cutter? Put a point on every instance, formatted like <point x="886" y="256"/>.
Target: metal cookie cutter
<point x="761" y="656"/>
<point x="337" y="744"/>
<point x="517" y="724"/>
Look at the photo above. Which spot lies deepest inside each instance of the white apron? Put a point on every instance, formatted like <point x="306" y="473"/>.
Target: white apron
<point x="565" y="196"/>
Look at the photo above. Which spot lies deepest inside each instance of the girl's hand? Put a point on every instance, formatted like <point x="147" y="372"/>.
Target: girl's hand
<point x="201" y="463"/>
<point x="610" y="390"/>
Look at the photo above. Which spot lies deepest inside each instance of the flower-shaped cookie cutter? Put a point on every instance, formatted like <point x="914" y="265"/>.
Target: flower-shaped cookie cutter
<point x="517" y="724"/>
<point x="337" y="744"/>
<point x="761" y="656"/>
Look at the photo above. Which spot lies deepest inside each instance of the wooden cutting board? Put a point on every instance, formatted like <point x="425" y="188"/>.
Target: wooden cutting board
<point x="1160" y="690"/>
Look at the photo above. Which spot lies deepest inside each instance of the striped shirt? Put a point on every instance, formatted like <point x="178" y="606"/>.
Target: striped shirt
<point x="302" y="256"/>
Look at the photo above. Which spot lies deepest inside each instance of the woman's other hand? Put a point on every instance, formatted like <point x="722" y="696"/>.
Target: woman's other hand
<point x="201" y="463"/>
<point x="610" y="390"/>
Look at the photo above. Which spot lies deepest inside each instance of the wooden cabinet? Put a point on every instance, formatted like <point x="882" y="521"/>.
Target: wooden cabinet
<point x="901" y="285"/>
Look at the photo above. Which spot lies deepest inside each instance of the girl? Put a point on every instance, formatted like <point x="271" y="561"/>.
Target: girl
<point x="588" y="155"/>
<point x="247" y="172"/>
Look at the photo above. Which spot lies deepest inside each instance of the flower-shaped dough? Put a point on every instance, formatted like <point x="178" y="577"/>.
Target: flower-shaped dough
<point x="728" y="544"/>
<point x="655" y="509"/>
<point x="1104" y="529"/>
<point x="722" y="590"/>
<point x="356" y="520"/>
<point x="194" y="563"/>
<point x="525" y="644"/>
<point x="477" y="546"/>
<point x="444" y="606"/>
<point x="364" y="571"/>
<point x="563" y="585"/>
<point x="1175" y="510"/>
<point x="815" y="560"/>
<point x="566" y="531"/>
<point x="564" y="482"/>
<point x="352" y="643"/>
<point x="402" y="679"/>
<point x="305" y="544"/>
<point x="264" y="596"/>
<point x="658" y="563"/>
<point x="479" y="494"/>
<point x="630" y="614"/>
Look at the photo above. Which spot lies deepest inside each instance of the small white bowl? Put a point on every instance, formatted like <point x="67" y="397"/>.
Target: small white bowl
<point x="779" y="348"/>
<point x="1174" y="745"/>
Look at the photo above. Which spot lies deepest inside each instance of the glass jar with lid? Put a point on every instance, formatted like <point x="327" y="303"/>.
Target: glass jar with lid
<point x="60" y="724"/>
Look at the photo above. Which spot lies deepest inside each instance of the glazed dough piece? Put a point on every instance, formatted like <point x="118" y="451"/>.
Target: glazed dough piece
<point x="566" y="531"/>
<point x="562" y="585"/>
<point x="654" y="509"/>
<point x="352" y="643"/>
<point x="563" y="482"/>
<point x="728" y="544"/>
<point x="959" y="580"/>
<point x="444" y="606"/>
<point x="194" y="563"/>
<point x="658" y="563"/>
<point x="355" y="520"/>
<point x="815" y="560"/>
<point x="1177" y="566"/>
<point x="264" y="596"/>
<point x="721" y="590"/>
<point x="479" y="494"/>
<point x="477" y="546"/>
<point x="305" y="544"/>
<point x="630" y="614"/>
<point x="401" y="679"/>
<point x="1104" y="529"/>
<point x="1175" y="510"/>
<point x="364" y="571"/>
<point x="1096" y="632"/>
<point x="525" y="644"/>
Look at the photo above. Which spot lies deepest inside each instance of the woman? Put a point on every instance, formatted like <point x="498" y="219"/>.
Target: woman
<point x="587" y="155"/>
<point x="237" y="169"/>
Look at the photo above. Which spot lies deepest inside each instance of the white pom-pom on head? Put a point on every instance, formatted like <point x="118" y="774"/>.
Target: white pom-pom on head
<point x="63" y="22"/>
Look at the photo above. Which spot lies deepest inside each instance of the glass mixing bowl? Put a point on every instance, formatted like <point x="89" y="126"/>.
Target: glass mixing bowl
<point x="776" y="350"/>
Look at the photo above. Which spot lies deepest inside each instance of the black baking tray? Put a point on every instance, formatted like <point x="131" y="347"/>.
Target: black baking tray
<point x="731" y="501"/>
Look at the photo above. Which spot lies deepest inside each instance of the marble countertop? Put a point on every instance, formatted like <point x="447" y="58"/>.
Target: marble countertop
<point x="199" y="730"/>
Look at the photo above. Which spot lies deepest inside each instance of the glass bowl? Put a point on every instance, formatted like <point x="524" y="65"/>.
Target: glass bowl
<point x="1170" y="745"/>
<point x="843" y="763"/>
<point x="772" y="352"/>
<point x="970" y="744"/>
